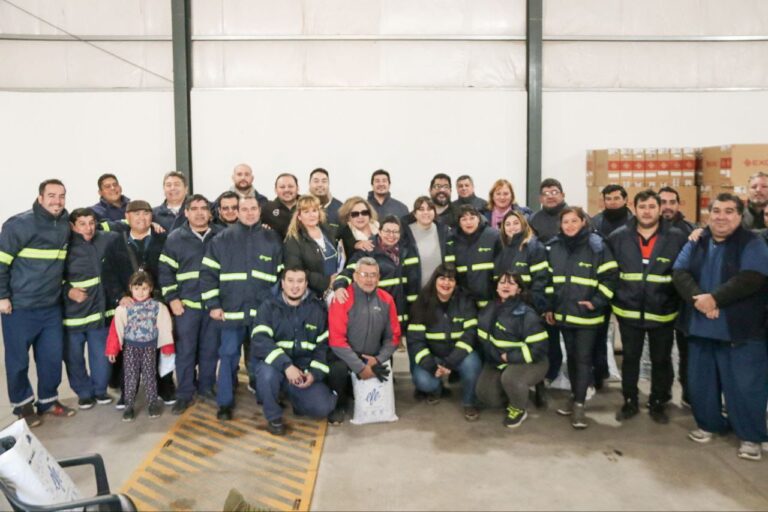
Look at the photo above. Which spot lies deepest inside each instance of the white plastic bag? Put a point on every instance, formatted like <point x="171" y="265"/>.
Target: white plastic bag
<point x="374" y="400"/>
<point x="32" y="471"/>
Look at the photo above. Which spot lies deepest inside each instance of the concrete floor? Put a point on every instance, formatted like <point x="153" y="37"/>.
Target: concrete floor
<point x="432" y="459"/>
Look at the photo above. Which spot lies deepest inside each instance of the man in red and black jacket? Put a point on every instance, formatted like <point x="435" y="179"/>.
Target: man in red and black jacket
<point x="363" y="333"/>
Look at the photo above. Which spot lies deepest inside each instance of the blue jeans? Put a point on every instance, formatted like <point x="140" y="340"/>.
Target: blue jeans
<point x="229" y="356"/>
<point x="197" y="345"/>
<point x="74" y="359"/>
<point x="42" y="330"/>
<point x="739" y="373"/>
<point x="469" y="370"/>
<point x="316" y="401"/>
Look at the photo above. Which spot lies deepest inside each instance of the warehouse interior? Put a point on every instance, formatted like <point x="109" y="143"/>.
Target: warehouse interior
<point x="521" y="89"/>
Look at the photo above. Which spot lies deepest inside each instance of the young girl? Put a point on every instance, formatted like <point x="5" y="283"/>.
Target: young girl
<point x="140" y="329"/>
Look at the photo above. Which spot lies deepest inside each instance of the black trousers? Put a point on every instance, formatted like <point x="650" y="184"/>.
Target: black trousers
<point x="579" y="346"/>
<point x="340" y="381"/>
<point x="662" y="374"/>
<point x="682" y="369"/>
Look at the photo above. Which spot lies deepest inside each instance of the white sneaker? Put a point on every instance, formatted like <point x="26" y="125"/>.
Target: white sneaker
<point x="700" y="436"/>
<point x="750" y="451"/>
<point x="590" y="392"/>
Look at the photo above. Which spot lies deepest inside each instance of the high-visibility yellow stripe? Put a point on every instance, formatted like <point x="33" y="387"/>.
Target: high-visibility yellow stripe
<point x="412" y="298"/>
<point x="273" y="355"/>
<point x="191" y="304"/>
<point x="169" y="261"/>
<point x="482" y="303"/>
<point x="661" y="318"/>
<point x="394" y="281"/>
<point x="450" y="258"/>
<point x="109" y="313"/>
<point x="470" y="323"/>
<point x="549" y="290"/>
<point x="625" y="313"/>
<point x="233" y="276"/>
<point x="42" y="254"/>
<point x="461" y="268"/>
<point x="76" y="322"/>
<point x="86" y="283"/>
<point x="352" y="266"/>
<point x="417" y="327"/>
<point x="411" y="261"/>
<point x="502" y="366"/>
<point x="539" y="266"/>
<point x="210" y="294"/>
<point x="533" y="338"/>
<point x="456" y="335"/>
<point x="505" y="344"/>
<point x="558" y="279"/>
<point x="526" y="278"/>
<point x="272" y="278"/>
<point x="402" y="318"/>
<point x="237" y="315"/>
<point x="319" y="366"/>
<point x="308" y="345"/>
<point x="285" y="344"/>
<point x="527" y="356"/>
<point x="421" y="354"/>
<point x="608" y="265"/>
<point x="208" y="262"/>
<point x="606" y="291"/>
<point x="482" y="334"/>
<point x="656" y="278"/>
<point x="252" y="313"/>
<point x="167" y="289"/>
<point x="6" y="258"/>
<point x="186" y="276"/>
<point x="571" y="319"/>
<point x="436" y="336"/>
<point x="464" y="346"/>
<point x="322" y="337"/>
<point x="583" y="281"/>
<point x="263" y="328"/>
<point x="482" y="266"/>
<point x="631" y="276"/>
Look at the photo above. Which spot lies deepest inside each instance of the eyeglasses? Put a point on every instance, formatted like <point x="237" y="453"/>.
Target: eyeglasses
<point x="390" y="232"/>
<point x="551" y="193"/>
<point x="441" y="187"/>
<point x="356" y="214"/>
<point x="366" y="275"/>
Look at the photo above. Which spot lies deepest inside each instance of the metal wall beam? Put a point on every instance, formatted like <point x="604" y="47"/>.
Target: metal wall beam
<point x="533" y="65"/>
<point x="182" y="84"/>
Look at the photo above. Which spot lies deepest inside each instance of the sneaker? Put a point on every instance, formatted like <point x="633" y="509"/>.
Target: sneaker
<point x="471" y="413"/>
<point x="419" y="395"/>
<point x="628" y="410"/>
<point x="515" y="417"/>
<point x="658" y="413"/>
<point x="590" y="392"/>
<point x="700" y="436"/>
<point x="579" y="419"/>
<point x="86" y="403"/>
<point x="337" y="416"/>
<point x="155" y="410"/>
<point x="540" y="395"/>
<point x="120" y="405"/>
<point x="104" y="399"/>
<point x="567" y="409"/>
<point x="224" y="413"/>
<point x="128" y="414"/>
<point x="276" y="428"/>
<point x="750" y="451"/>
<point x="60" y="410"/>
<point x="433" y="398"/>
<point x="27" y="412"/>
<point x="169" y="400"/>
<point x="251" y="389"/>
<point x="180" y="406"/>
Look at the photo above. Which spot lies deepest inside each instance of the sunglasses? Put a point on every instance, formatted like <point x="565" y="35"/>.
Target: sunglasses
<point x="364" y="213"/>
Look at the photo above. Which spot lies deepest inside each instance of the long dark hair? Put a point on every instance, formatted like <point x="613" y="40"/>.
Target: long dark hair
<point x="525" y="293"/>
<point x="426" y="305"/>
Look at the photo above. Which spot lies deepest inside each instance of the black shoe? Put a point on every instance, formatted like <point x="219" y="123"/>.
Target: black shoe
<point x="540" y="396"/>
<point x="169" y="399"/>
<point x="86" y="403"/>
<point x="104" y="399"/>
<point x="419" y="395"/>
<point x="433" y="398"/>
<point x="129" y="414"/>
<point x="454" y="377"/>
<point x="207" y="395"/>
<point x="628" y="410"/>
<point x="180" y="406"/>
<point x="337" y="416"/>
<point x="155" y="409"/>
<point x="658" y="413"/>
<point x="224" y="413"/>
<point x="515" y="417"/>
<point x="27" y="412"/>
<point x="276" y="428"/>
<point x="120" y="405"/>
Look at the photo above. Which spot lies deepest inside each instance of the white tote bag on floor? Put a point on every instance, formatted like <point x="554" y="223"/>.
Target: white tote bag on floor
<point x="374" y="400"/>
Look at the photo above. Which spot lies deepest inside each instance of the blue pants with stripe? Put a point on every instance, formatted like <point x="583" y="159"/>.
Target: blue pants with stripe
<point x="316" y="401"/>
<point x="737" y="371"/>
<point x="197" y="345"/>
<point x="232" y="339"/>
<point x="42" y="330"/>
<point x="74" y="344"/>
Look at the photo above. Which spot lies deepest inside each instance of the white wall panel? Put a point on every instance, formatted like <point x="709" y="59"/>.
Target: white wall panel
<point x="79" y="136"/>
<point x="576" y="121"/>
<point x="413" y="134"/>
<point x="342" y="17"/>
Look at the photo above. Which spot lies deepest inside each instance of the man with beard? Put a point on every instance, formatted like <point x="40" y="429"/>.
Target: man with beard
<point x="465" y="188"/>
<point x="319" y="186"/>
<point x="758" y="199"/>
<point x="645" y="301"/>
<point x="440" y="192"/>
<point x="242" y="184"/>
<point x="546" y="222"/>
<point x="278" y="212"/>
<point x="381" y="199"/>
<point x="226" y="208"/>
<point x="670" y="210"/>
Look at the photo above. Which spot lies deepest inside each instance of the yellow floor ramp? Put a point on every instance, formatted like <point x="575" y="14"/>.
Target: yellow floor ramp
<point x="201" y="459"/>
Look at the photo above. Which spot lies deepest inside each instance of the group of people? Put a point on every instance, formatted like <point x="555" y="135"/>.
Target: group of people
<point x="313" y="289"/>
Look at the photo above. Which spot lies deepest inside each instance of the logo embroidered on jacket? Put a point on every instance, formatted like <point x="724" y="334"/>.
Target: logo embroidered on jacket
<point x="586" y="265"/>
<point x="265" y="258"/>
<point x="484" y="249"/>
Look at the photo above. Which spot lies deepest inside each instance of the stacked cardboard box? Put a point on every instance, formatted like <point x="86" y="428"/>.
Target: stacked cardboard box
<point x="727" y="169"/>
<point x="640" y="169"/>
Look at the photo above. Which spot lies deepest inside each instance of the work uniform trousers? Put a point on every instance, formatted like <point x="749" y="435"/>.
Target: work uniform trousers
<point x="682" y="365"/>
<point x="232" y="339"/>
<point x="316" y="401"/>
<point x="660" y="347"/>
<point x="197" y="345"/>
<point x="579" y="346"/>
<point x="41" y="329"/>
<point x="468" y="370"/>
<point x="738" y="372"/>
<point x="87" y="386"/>
<point x="509" y="386"/>
<point x="555" y="352"/>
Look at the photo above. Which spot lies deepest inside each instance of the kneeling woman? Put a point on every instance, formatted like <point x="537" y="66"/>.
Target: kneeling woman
<point x="516" y="344"/>
<point x="441" y="339"/>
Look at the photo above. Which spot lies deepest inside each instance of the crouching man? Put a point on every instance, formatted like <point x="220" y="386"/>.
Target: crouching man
<point x="289" y="344"/>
